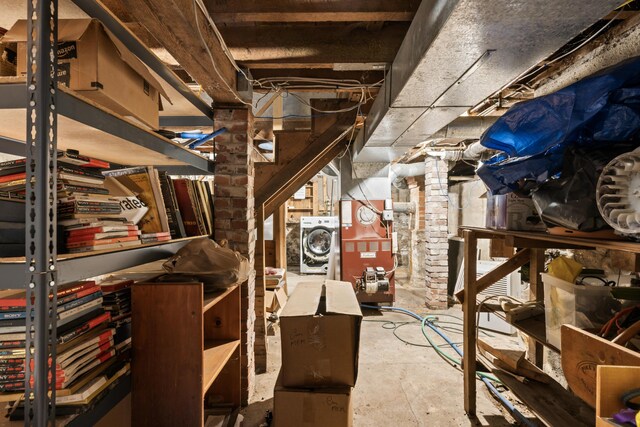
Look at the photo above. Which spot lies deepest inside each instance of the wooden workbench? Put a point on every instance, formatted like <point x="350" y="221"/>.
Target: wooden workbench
<point x="531" y="247"/>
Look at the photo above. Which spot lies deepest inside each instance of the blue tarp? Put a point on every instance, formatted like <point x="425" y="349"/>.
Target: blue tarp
<point x="533" y="135"/>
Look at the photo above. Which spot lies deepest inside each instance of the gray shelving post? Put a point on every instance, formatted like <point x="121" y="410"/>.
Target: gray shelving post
<point x="40" y="253"/>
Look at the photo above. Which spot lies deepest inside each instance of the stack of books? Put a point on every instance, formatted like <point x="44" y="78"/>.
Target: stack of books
<point x="99" y="234"/>
<point x="84" y="339"/>
<point x="91" y="217"/>
<point x="116" y="294"/>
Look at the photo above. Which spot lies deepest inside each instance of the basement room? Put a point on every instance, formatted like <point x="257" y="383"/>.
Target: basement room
<point x="319" y="213"/>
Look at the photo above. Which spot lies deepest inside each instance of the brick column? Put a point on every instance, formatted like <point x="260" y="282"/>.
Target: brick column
<point x="418" y="239"/>
<point x="235" y="217"/>
<point x="436" y="241"/>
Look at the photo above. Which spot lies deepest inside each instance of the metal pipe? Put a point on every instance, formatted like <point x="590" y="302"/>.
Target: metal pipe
<point x="404" y="207"/>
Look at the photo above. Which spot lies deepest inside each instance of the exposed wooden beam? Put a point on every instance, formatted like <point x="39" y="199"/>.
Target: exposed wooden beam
<point x="367" y="77"/>
<point x="373" y="16"/>
<point x="304" y="176"/>
<point x="239" y="11"/>
<point x="305" y="46"/>
<point x="288" y="145"/>
<point x="284" y="177"/>
<point x="172" y="23"/>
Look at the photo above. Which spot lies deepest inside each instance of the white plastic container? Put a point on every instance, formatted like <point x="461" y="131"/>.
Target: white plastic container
<point x="584" y="306"/>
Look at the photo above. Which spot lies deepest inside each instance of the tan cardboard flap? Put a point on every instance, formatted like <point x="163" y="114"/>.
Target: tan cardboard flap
<point x="281" y="297"/>
<point x="269" y="299"/>
<point x="136" y="64"/>
<point x="304" y="301"/>
<point x="68" y="30"/>
<point x="341" y="299"/>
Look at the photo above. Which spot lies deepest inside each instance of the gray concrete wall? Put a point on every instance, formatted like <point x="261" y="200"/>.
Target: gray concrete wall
<point x="468" y="207"/>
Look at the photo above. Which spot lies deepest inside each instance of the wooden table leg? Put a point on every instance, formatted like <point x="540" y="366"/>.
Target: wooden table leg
<point x="536" y="292"/>
<point x="469" y="328"/>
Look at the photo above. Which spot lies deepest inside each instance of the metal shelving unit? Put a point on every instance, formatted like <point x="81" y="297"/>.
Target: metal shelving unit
<point x="84" y="121"/>
<point x="47" y="117"/>
<point x="80" y="266"/>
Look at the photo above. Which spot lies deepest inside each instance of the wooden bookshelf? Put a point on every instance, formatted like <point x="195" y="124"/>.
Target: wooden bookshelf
<point x="187" y="352"/>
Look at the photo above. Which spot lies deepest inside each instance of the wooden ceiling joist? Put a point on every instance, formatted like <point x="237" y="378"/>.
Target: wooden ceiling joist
<point x="241" y="11"/>
<point x="173" y="24"/>
<point x="311" y="46"/>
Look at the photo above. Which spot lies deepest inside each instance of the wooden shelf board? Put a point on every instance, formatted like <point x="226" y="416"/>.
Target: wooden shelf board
<point x="535" y="327"/>
<point x="551" y="239"/>
<point x="216" y="355"/>
<point x="211" y="299"/>
<point x="554" y="405"/>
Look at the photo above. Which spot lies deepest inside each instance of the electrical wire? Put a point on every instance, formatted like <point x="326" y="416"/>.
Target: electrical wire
<point x="593" y="36"/>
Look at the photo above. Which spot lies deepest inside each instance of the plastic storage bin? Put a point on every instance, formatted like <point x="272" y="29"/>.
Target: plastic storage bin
<point x="584" y="306"/>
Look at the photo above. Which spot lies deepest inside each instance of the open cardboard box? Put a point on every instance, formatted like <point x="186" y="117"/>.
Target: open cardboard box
<point x="93" y="62"/>
<point x="320" y="333"/>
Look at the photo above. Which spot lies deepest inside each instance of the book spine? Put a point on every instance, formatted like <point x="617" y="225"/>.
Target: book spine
<point x="170" y="207"/>
<point x="11" y="163"/>
<point x="79" y="309"/>
<point x="82" y="189"/>
<point x="78" y="170"/>
<point x="103" y="229"/>
<point x="13" y="177"/>
<point x="84" y="328"/>
<point x="79" y="301"/>
<point x="12" y="344"/>
<point x="7" y="369"/>
<point x="185" y="205"/>
<point x="101" y="236"/>
<point x="97" y="243"/>
<point x="79" y="286"/>
<point x="13" y="315"/>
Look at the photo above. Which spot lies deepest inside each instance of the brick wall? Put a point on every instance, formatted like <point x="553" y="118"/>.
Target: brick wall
<point x="235" y="217"/>
<point x="436" y="241"/>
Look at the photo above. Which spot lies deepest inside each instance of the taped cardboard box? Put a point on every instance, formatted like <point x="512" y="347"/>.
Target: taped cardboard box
<point x="322" y="407"/>
<point x="94" y="63"/>
<point x="320" y="334"/>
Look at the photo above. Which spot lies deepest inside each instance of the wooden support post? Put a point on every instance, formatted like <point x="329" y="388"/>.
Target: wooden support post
<point x="278" y="113"/>
<point x="469" y="328"/>
<point x="536" y="292"/>
<point x="260" y="349"/>
<point x="280" y="236"/>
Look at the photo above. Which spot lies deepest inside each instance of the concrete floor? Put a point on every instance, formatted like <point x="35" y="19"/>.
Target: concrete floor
<point x="398" y="384"/>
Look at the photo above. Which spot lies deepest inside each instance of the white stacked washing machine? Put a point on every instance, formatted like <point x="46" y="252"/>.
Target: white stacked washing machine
<point x="315" y="242"/>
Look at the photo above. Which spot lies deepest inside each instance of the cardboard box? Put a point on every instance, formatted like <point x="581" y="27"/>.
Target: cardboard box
<point x="320" y="334"/>
<point x="94" y="63"/>
<point x="512" y="212"/>
<point x="275" y="301"/>
<point x="321" y="407"/>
